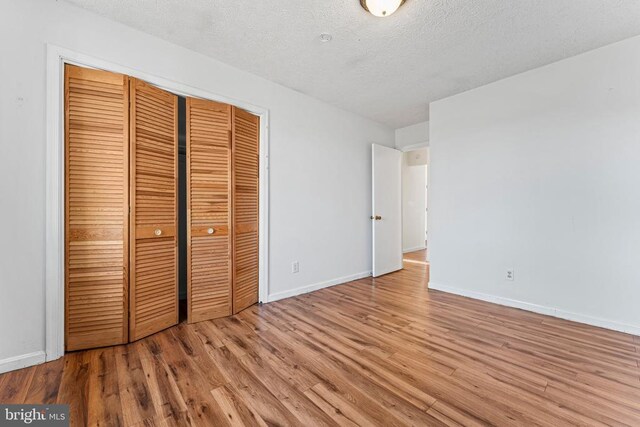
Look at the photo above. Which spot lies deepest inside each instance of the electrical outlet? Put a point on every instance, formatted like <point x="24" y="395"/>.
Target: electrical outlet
<point x="510" y="275"/>
<point x="295" y="267"/>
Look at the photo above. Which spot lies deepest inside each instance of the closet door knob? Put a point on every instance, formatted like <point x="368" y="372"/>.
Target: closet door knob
<point x="211" y="231"/>
<point x="158" y="232"/>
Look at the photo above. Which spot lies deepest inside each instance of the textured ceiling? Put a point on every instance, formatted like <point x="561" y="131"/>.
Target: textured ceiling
<point x="387" y="69"/>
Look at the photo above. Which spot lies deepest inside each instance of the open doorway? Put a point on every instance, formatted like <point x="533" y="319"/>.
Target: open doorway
<point x="415" y="164"/>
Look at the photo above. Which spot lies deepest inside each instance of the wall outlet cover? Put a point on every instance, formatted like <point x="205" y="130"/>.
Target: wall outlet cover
<point x="510" y="274"/>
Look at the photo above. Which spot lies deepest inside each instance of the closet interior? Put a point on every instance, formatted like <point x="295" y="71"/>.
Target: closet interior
<point x="161" y="209"/>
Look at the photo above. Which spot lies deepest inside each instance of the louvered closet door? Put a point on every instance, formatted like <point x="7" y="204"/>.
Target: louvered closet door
<point x="246" y="154"/>
<point x="209" y="209"/>
<point x="154" y="189"/>
<point x="96" y="208"/>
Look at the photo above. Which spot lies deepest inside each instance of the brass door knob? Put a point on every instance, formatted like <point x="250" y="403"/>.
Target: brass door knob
<point x="158" y="232"/>
<point x="211" y="231"/>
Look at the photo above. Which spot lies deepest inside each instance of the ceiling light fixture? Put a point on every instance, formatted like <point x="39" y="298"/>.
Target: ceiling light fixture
<point x="381" y="8"/>
<point x="325" y="37"/>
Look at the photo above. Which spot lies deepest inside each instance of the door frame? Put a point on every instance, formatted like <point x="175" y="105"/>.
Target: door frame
<point x="57" y="57"/>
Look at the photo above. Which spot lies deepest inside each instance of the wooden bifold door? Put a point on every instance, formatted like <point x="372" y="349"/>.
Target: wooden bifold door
<point x="246" y="154"/>
<point x="209" y="279"/>
<point x="153" y="291"/>
<point x="223" y="154"/>
<point x="96" y="208"/>
<point x="121" y="209"/>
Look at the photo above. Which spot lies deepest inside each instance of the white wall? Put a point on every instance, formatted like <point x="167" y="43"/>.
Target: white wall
<point x="319" y="168"/>
<point x="541" y="173"/>
<point x="414" y="199"/>
<point x="414" y="135"/>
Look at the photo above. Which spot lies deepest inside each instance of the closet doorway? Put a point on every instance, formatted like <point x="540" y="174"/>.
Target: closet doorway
<point x="161" y="205"/>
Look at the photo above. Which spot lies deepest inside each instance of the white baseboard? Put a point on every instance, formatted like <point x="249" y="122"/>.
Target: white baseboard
<point x="417" y="248"/>
<point x="541" y="309"/>
<point x="314" y="287"/>
<point x="22" y="361"/>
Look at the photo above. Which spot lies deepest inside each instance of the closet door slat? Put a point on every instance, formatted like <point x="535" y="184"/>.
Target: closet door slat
<point x="246" y="155"/>
<point x="96" y="208"/>
<point x="154" y="210"/>
<point x="208" y="209"/>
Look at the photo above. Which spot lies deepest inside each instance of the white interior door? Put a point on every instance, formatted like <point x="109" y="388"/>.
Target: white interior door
<point x="386" y="217"/>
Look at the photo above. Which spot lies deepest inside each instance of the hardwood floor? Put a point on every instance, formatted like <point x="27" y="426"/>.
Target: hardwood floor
<point x="383" y="351"/>
<point x="417" y="256"/>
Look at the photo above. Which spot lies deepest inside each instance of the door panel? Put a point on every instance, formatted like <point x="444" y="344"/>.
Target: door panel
<point x="246" y="155"/>
<point x="387" y="210"/>
<point x="96" y="208"/>
<point x="154" y="243"/>
<point x="208" y="209"/>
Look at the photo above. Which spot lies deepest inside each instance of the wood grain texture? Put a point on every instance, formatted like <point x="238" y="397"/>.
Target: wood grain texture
<point x="416" y="257"/>
<point x="246" y="173"/>
<point x="384" y="351"/>
<point x="96" y="208"/>
<point x="209" y="270"/>
<point x="154" y="210"/>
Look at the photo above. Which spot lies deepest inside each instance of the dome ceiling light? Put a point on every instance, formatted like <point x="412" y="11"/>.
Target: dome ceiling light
<point x="381" y="8"/>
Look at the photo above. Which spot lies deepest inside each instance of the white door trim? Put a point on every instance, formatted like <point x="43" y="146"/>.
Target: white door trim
<point x="415" y="146"/>
<point x="54" y="240"/>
